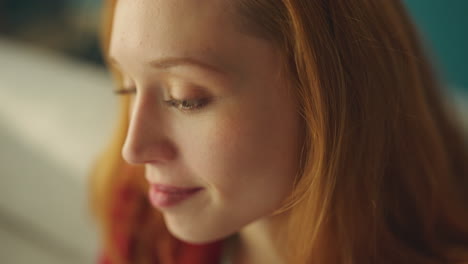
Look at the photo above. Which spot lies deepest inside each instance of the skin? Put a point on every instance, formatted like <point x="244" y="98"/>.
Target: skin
<point x="242" y="147"/>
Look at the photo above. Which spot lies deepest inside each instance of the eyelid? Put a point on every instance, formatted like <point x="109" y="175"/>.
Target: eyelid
<point x="124" y="91"/>
<point x="177" y="103"/>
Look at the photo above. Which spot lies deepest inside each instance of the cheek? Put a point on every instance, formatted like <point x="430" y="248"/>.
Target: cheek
<point x="220" y="152"/>
<point x="250" y="156"/>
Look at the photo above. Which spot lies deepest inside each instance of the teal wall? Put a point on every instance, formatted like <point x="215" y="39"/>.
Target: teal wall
<point x="444" y="26"/>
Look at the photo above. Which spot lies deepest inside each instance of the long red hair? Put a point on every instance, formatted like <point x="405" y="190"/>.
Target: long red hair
<point x="384" y="169"/>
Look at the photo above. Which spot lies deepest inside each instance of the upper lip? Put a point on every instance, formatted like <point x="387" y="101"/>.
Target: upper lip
<point x="171" y="189"/>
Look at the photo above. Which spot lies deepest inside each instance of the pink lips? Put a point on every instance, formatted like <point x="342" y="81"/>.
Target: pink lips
<point x="163" y="196"/>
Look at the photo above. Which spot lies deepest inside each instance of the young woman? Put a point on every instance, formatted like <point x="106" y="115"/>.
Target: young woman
<point x="277" y="131"/>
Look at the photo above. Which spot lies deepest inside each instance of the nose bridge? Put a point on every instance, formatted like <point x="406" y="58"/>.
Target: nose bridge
<point x="146" y="140"/>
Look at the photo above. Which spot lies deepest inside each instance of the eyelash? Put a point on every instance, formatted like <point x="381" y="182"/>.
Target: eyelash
<point x="185" y="105"/>
<point x="124" y="91"/>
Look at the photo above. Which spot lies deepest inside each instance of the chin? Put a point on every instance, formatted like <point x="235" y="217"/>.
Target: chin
<point x="193" y="235"/>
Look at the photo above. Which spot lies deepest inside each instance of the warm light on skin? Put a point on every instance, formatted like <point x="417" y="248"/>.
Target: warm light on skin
<point x="242" y="147"/>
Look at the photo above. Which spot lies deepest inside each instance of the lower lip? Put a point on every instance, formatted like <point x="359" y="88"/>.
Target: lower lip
<point x="162" y="199"/>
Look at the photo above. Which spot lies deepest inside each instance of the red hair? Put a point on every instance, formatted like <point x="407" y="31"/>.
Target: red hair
<point x="384" y="170"/>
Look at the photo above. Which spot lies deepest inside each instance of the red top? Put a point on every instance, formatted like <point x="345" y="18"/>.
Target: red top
<point x="187" y="253"/>
<point x="190" y="254"/>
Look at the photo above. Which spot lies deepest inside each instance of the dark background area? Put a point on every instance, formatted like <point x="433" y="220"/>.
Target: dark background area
<point x="68" y="26"/>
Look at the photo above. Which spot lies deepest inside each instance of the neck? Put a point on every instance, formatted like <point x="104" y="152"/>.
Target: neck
<point x="256" y="243"/>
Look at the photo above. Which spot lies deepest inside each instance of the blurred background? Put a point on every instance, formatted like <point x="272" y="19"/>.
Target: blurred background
<point x="57" y="111"/>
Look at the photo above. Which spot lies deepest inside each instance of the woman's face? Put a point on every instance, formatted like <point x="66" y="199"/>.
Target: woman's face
<point x="211" y="114"/>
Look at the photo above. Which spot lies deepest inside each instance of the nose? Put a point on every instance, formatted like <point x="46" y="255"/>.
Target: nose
<point x="146" y="140"/>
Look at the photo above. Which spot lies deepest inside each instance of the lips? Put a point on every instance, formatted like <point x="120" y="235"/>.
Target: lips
<point x="164" y="196"/>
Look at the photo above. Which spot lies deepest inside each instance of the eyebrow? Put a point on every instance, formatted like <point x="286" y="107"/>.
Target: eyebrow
<point x="172" y="62"/>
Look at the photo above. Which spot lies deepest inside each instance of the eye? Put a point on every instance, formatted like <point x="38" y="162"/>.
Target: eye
<point x="188" y="105"/>
<point x="124" y="91"/>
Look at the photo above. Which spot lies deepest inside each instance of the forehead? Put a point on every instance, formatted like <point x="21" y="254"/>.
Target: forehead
<point x="159" y="28"/>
